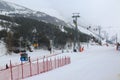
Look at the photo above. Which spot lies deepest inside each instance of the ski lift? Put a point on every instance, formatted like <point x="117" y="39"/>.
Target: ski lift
<point x="24" y="57"/>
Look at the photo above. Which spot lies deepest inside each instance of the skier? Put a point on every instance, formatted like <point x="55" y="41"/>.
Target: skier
<point x="7" y="66"/>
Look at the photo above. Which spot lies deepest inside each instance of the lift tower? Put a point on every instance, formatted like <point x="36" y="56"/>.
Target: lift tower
<point x="76" y="34"/>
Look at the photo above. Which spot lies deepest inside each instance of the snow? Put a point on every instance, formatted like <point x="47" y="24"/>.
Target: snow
<point x="95" y="63"/>
<point x="52" y="12"/>
<point x="15" y="6"/>
<point x="1" y="27"/>
<point x="17" y="9"/>
<point x="15" y="58"/>
<point x="88" y="32"/>
<point x="2" y="48"/>
<point x="84" y="30"/>
<point x="113" y="31"/>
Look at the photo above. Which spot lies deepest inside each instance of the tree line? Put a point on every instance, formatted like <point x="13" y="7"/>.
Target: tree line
<point x="34" y="31"/>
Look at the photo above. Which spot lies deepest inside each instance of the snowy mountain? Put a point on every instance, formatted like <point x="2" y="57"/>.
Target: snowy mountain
<point x="91" y="32"/>
<point x="11" y="9"/>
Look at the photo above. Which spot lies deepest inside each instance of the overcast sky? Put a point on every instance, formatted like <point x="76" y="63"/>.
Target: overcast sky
<point x="105" y="13"/>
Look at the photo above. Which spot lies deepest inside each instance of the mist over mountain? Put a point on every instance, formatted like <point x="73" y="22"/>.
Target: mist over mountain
<point x="11" y="9"/>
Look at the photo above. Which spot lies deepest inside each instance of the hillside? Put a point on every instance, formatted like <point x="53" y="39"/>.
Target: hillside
<point x="14" y="10"/>
<point x="11" y="9"/>
<point x="35" y="32"/>
<point x="34" y="27"/>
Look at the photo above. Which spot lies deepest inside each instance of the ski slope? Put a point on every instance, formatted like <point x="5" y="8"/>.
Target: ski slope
<point x="95" y="63"/>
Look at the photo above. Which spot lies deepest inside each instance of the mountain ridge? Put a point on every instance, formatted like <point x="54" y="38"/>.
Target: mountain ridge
<point x="12" y="9"/>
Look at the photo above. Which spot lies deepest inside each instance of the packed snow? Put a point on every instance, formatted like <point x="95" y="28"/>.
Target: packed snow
<point x="15" y="58"/>
<point x="2" y="49"/>
<point x="95" y="63"/>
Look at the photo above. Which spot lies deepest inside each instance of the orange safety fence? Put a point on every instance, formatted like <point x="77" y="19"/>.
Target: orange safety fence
<point x="31" y="68"/>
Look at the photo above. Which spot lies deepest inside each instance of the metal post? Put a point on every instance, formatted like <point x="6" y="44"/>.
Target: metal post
<point x="37" y="66"/>
<point x="46" y="64"/>
<point x="30" y="67"/>
<point x="76" y="34"/>
<point x="55" y="62"/>
<point x="22" y="69"/>
<point x="51" y="67"/>
<point x="11" y="70"/>
<point x="43" y="65"/>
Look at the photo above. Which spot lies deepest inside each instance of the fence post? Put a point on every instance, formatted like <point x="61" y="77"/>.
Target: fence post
<point x="69" y="60"/>
<point x="30" y="67"/>
<point x="11" y="70"/>
<point x="55" y="62"/>
<point x="43" y="65"/>
<point x="37" y="67"/>
<point x="47" y="65"/>
<point x="58" y="62"/>
<point x="62" y="61"/>
<point x="22" y="69"/>
<point x="65" y="60"/>
<point x="51" y="67"/>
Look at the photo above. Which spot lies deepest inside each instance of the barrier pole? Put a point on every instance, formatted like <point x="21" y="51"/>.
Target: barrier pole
<point x="22" y="69"/>
<point x="47" y="65"/>
<point x="55" y="62"/>
<point x="30" y="67"/>
<point x="11" y="70"/>
<point x="37" y="67"/>
<point x="65" y="60"/>
<point x="51" y="64"/>
<point x="58" y="62"/>
<point x="43" y="65"/>
<point x="69" y="60"/>
<point x="62" y="61"/>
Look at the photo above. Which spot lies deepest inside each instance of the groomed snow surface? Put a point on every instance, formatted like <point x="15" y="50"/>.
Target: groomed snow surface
<point x="95" y="63"/>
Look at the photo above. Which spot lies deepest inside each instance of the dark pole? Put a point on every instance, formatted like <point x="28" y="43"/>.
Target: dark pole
<point x="76" y="34"/>
<point x="99" y="29"/>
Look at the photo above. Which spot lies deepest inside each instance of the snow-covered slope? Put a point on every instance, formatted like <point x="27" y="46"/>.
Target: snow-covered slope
<point x="3" y="50"/>
<point x="52" y="12"/>
<point x="7" y="6"/>
<point x="11" y="9"/>
<point x="89" y="32"/>
<point x="84" y="30"/>
<point x="95" y="63"/>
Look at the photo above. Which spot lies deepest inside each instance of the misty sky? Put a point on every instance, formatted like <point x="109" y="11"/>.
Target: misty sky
<point x="105" y="13"/>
